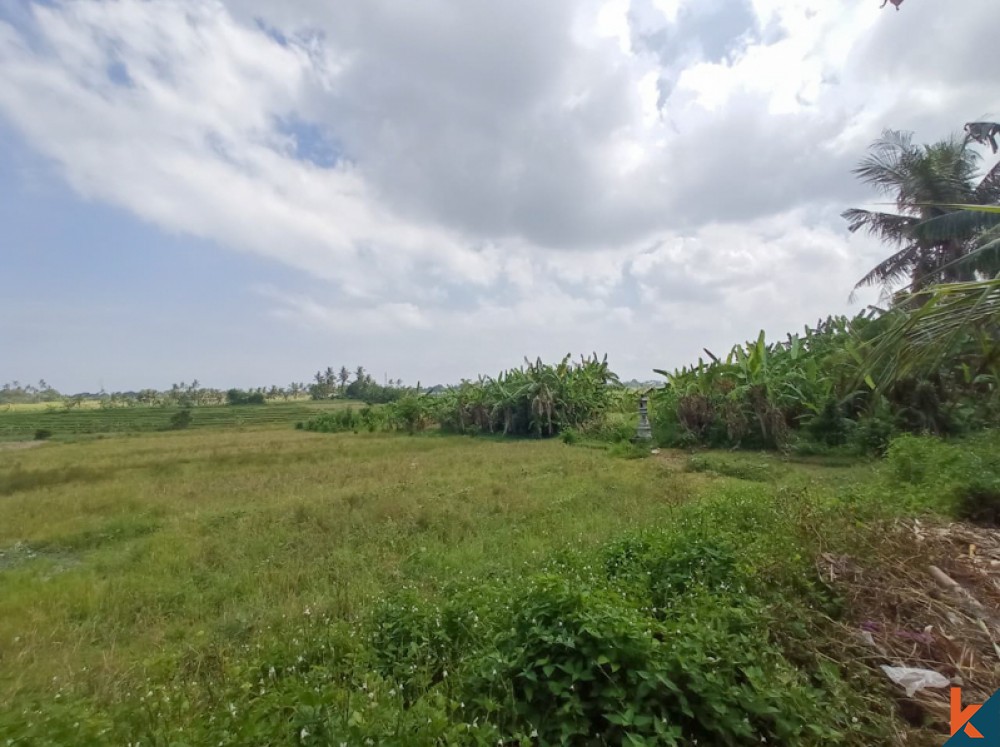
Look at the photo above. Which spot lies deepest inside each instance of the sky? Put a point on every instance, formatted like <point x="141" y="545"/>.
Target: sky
<point x="246" y="191"/>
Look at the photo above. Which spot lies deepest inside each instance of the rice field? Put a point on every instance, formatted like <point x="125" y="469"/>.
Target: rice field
<point x="18" y="422"/>
<point x="262" y="585"/>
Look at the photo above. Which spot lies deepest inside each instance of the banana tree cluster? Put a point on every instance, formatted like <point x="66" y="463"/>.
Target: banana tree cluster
<point x="760" y="392"/>
<point x="927" y="366"/>
<point x="535" y="400"/>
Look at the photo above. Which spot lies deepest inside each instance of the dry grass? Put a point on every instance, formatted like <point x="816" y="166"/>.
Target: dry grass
<point x="926" y="596"/>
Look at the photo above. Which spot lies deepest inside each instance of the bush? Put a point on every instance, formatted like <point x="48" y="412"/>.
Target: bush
<point x="411" y="413"/>
<point x="962" y="478"/>
<point x="873" y="434"/>
<point x="614" y="427"/>
<point x="980" y="502"/>
<point x="578" y="664"/>
<point x="337" y="421"/>
<point x="240" y="397"/>
<point x="43" y="434"/>
<point x="917" y="459"/>
<point x="180" y="419"/>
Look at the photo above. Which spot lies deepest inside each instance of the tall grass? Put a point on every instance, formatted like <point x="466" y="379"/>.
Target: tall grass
<point x="281" y="587"/>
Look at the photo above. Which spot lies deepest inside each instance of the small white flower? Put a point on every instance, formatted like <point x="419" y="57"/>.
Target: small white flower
<point x="304" y="733"/>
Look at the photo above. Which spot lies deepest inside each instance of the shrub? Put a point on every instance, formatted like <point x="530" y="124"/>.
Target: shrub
<point x="180" y="419"/>
<point x="240" y="397"/>
<point x="614" y="427"/>
<point x="338" y="421"/>
<point x="411" y="413"/>
<point x="43" y="434"/>
<point x="979" y="502"/>
<point x="580" y="665"/>
<point x="915" y="459"/>
<point x="873" y="434"/>
<point x="962" y="478"/>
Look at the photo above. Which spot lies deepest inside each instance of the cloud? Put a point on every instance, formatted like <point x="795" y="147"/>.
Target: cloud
<point x="566" y="171"/>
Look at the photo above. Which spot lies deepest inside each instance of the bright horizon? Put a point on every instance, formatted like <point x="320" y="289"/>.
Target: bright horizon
<point x="246" y="192"/>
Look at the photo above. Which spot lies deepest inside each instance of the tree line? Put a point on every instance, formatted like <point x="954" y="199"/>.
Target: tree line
<point x="326" y="385"/>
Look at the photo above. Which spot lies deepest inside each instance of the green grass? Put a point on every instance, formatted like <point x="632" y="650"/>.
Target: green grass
<point x="19" y="422"/>
<point x="153" y="586"/>
<point x="188" y="533"/>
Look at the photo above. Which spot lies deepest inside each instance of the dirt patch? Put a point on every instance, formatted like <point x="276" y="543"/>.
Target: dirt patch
<point x="929" y="598"/>
<point x="19" y="445"/>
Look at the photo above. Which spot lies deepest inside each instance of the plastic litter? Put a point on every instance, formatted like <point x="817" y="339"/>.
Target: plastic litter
<point x="914" y="680"/>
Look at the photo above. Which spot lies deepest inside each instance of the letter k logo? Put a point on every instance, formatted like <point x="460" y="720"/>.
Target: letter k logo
<point x="960" y="717"/>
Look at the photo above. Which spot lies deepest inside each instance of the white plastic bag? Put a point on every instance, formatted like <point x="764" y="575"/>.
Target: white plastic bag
<point x="913" y="680"/>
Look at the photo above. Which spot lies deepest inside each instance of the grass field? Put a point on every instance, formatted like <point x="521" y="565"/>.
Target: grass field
<point x="270" y="586"/>
<point x="22" y="421"/>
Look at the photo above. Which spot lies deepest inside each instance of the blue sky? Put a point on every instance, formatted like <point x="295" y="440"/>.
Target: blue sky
<point x="245" y="192"/>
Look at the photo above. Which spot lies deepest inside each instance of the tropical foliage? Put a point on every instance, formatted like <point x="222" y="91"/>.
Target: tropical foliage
<point x="931" y="363"/>
<point x="844" y="382"/>
<point x="933" y="240"/>
<point x="537" y="400"/>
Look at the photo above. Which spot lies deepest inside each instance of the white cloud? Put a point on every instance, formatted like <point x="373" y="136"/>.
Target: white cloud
<point x="630" y="175"/>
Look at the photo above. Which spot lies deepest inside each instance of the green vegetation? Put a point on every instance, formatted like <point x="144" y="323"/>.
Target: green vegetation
<point x="931" y="363"/>
<point x="537" y="400"/>
<point x="60" y="423"/>
<point x="222" y="578"/>
<point x="284" y="588"/>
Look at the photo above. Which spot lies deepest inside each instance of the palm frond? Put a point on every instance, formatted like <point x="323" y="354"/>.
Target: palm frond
<point x="940" y="319"/>
<point x="956" y="224"/>
<point x="893" y="269"/>
<point x="887" y="166"/>
<point x="988" y="190"/>
<point x="887" y="227"/>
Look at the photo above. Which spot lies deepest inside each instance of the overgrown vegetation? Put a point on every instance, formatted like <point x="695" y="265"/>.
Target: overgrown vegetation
<point x="537" y="400"/>
<point x="442" y="591"/>
<point x="279" y="588"/>
<point x="828" y="388"/>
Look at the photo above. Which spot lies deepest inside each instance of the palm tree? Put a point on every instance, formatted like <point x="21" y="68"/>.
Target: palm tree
<point x="344" y="377"/>
<point x="932" y="239"/>
<point x="959" y="322"/>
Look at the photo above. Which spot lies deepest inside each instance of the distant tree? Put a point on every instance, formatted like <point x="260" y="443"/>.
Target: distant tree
<point x="240" y="397"/>
<point x="344" y="377"/>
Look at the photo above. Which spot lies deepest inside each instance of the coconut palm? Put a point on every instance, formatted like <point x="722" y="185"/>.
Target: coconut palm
<point x="932" y="240"/>
<point x="956" y="322"/>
